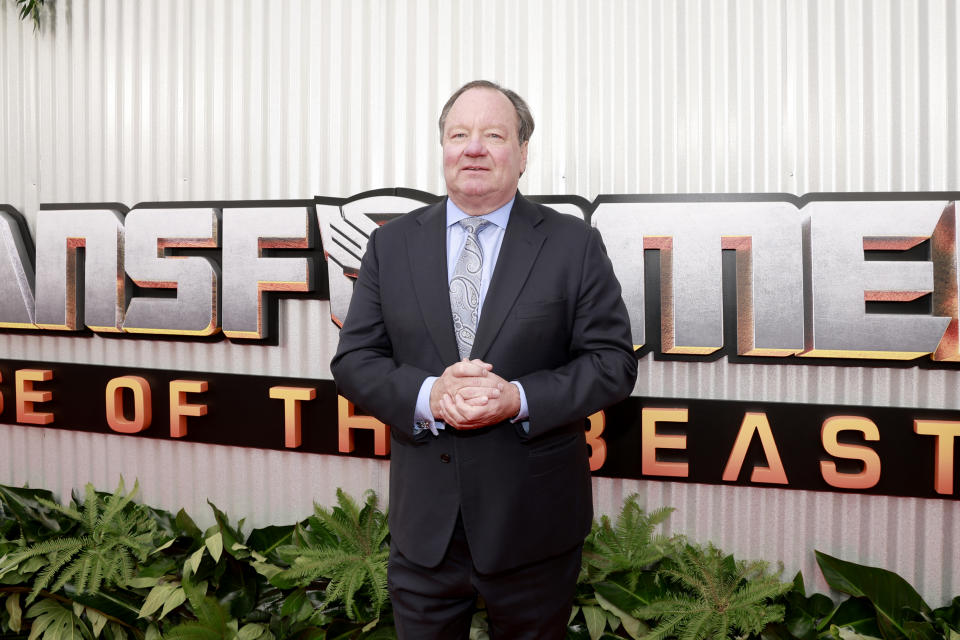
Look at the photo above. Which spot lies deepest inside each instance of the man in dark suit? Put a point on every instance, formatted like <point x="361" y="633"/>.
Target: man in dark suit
<point x="484" y="330"/>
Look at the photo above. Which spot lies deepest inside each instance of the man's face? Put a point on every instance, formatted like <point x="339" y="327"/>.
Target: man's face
<point x="482" y="155"/>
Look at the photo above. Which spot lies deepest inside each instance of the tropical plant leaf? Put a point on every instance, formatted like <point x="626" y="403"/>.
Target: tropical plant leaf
<point x="30" y="509"/>
<point x="230" y="536"/>
<point x="857" y="614"/>
<point x="212" y="623"/>
<point x="122" y="605"/>
<point x="214" y="545"/>
<point x="804" y="617"/>
<point x="297" y="606"/>
<point x="921" y="630"/>
<point x="617" y="590"/>
<point x="267" y="539"/>
<point x="195" y="558"/>
<point x="949" y="616"/>
<point x="155" y="599"/>
<point x="55" y="622"/>
<point x="890" y="594"/>
<point x="596" y="621"/>
<point x="97" y="621"/>
<point x="187" y="526"/>
<point x="237" y="587"/>
<point x="634" y="627"/>
<point x="12" y="606"/>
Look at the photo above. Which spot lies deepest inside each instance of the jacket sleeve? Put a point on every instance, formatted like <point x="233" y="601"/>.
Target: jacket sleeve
<point x="603" y="366"/>
<point x="364" y="367"/>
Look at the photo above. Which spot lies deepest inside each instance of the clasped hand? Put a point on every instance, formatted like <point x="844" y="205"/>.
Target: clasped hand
<point x="469" y="395"/>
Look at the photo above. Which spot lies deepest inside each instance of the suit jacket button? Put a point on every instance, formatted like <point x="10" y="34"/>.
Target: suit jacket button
<point x="444" y="457"/>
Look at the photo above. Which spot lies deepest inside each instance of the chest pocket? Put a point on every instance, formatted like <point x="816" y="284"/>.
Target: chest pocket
<point x="541" y="310"/>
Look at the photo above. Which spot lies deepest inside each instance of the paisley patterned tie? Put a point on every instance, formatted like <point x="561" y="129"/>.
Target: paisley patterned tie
<point x="465" y="287"/>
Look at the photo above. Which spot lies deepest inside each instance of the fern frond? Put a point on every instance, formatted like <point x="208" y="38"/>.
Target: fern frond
<point x="114" y="531"/>
<point x="54" y="545"/>
<point x="347" y="547"/>
<point x="71" y="513"/>
<point x="628" y="545"/>
<point x="714" y="596"/>
<point x="67" y="574"/>
<point x="56" y="563"/>
<point x="90" y="509"/>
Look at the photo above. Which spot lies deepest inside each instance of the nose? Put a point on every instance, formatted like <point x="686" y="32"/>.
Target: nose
<point x="474" y="147"/>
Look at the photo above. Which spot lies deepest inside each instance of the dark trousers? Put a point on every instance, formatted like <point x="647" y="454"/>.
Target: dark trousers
<point x="529" y="602"/>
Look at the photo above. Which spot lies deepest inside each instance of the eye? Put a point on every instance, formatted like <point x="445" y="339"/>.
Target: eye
<point x="458" y="136"/>
<point x="495" y="136"/>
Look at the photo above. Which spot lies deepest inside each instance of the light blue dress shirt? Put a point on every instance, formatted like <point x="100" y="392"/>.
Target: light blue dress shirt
<point x="490" y="237"/>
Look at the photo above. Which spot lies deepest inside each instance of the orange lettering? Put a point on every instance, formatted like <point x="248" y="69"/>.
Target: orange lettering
<point x="945" y="432"/>
<point x="142" y="404"/>
<point x="598" y="448"/>
<point x="26" y="395"/>
<point x="292" y="396"/>
<point x="870" y="474"/>
<point x="179" y="409"/>
<point x="774" y="472"/>
<point x="349" y="420"/>
<point x="651" y="441"/>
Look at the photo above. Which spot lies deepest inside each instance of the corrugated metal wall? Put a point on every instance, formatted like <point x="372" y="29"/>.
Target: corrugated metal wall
<point x="145" y="101"/>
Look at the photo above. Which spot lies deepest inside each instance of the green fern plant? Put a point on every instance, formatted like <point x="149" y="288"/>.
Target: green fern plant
<point x="714" y="596"/>
<point x="112" y="537"/>
<point x="617" y="557"/>
<point x="629" y="546"/>
<point x="346" y="546"/>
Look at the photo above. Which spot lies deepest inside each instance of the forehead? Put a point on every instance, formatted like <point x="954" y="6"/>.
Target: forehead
<point x="485" y="107"/>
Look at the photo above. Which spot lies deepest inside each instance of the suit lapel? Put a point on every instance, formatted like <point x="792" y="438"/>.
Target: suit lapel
<point x="427" y="252"/>
<point x="521" y="245"/>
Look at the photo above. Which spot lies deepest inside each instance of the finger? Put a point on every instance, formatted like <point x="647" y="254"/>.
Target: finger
<point x="468" y="393"/>
<point x="487" y="385"/>
<point x="474" y="417"/>
<point x="453" y="417"/>
<point x="478" y="401"/>
<point x="467" y="368"/>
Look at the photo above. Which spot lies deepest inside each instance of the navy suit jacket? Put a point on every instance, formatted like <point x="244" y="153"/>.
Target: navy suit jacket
<point x="553" y="319"/>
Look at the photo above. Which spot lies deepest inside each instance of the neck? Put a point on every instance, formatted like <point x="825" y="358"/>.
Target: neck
<point x="474" y="208"/>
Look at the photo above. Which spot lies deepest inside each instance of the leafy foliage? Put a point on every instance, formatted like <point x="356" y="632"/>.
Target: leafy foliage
<point x="630" y="546"/>
<point x="805" y="618"/>
<point x="31" y="9"/>
<point x="25" y="513"/>
<point x="714" y="596"/>
<point x="617" y="577"/>
<point x="54" y="621"/>
<point x="348" y="547"/>
<point x="898" y="611"/>
<point x="325" y="577"/>
<point x="114" y="535"/>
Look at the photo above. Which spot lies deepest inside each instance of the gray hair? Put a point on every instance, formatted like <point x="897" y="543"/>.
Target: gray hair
<point x="524" y="131"/>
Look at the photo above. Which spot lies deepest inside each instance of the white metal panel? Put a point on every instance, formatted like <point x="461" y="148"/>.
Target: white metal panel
<point x="164" y="101"/>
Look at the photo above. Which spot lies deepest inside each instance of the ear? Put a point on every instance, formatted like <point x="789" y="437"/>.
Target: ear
<point x="523" y="156"/>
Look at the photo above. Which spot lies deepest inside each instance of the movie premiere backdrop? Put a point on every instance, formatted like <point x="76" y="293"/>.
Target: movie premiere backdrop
<point x="186" y="189"/>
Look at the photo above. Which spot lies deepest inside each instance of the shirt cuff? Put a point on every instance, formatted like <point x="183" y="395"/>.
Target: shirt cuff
<point x="524" y="414"/>
<point x="422" y="415"/>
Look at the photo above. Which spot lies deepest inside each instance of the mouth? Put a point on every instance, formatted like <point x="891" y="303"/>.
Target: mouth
<point x="475" y="168"/>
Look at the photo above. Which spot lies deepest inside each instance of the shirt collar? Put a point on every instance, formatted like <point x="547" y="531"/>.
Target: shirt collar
<point x="499" y="217"/>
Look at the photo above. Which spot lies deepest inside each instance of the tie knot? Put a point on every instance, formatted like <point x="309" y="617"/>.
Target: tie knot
<point x="473" y="225"/>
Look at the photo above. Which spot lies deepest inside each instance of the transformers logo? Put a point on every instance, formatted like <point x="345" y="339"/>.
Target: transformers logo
<point x="857" y="276"/>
